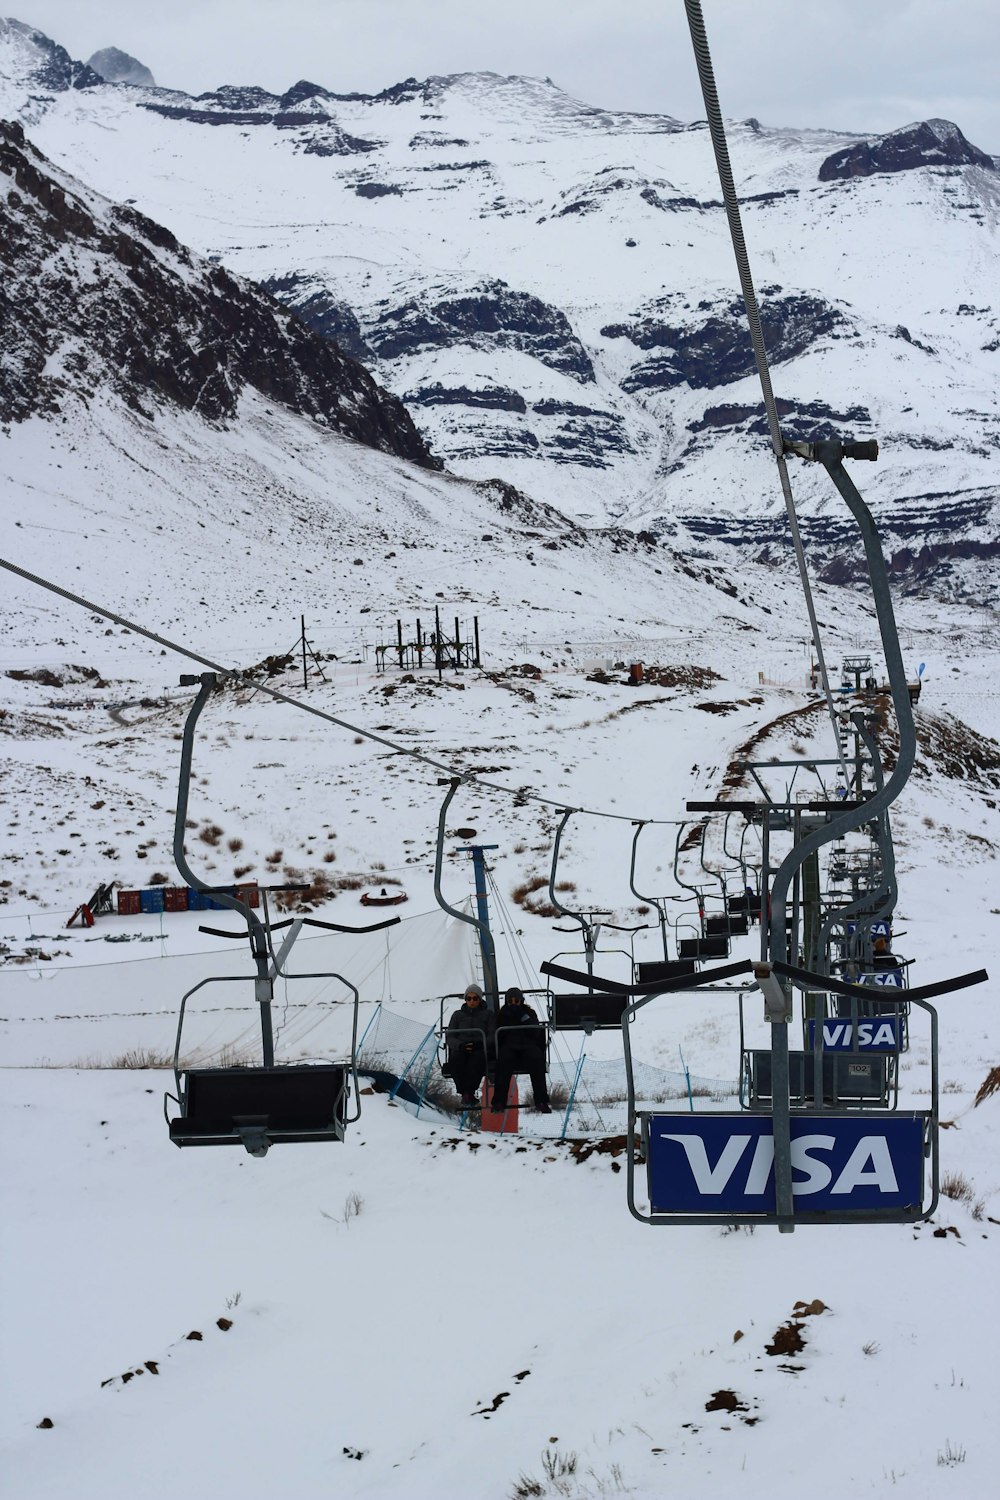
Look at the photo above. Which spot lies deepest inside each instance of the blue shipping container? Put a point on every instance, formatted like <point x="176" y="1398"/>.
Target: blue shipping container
<point x="151" y="900"/>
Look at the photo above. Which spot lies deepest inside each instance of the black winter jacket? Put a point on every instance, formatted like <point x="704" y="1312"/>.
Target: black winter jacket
<point x="478" y="1022"/>
<point x="529" y="1035"/>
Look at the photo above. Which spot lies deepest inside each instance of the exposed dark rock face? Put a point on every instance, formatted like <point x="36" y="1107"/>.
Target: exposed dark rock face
<point x="434" y="138"/>
<point x="490" y="316"/>
<point x="800" y="420"/>
<point x="53" y="70"/>
<point x="717" y="350"/>
<point x="495" y="441"/>
<point x="245" y="107"/>
<point x="316" y="306"/>
<point x="916" y="565"/>
<point x="930" y="143"/>
<point x="493" y="398"/>
<point x="93" y="296"/>
<point x="378" y="190"/>
<point x="118" y="67"/>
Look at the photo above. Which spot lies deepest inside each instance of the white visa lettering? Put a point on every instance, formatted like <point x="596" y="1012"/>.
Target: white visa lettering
<point x="834" y="1033"/>
<point x="856" y="1173"/>
<point x="818" y="1174"/>
<point x="885" y="1036"/>
<point x="712" y="1180"/>
<point x="760" y="1167"/>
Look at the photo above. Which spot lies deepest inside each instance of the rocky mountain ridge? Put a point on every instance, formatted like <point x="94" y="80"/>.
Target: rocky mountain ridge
<point x="97" y="295"/>
<point x="550" y="289"/>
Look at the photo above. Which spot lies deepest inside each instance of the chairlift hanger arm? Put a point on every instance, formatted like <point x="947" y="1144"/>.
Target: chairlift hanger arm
<point x="208" y="683"/>
<point x="564" y="911"/>
<point x="831" y="455"/>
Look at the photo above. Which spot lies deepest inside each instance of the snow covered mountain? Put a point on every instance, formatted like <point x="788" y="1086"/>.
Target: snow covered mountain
<point x="549" y="287"/>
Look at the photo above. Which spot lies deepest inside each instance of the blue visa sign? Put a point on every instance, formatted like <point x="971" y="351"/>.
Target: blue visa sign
<point x="877" y="1034"/>
<point x="724" y="1164"/>
<point x="884" y="979"/>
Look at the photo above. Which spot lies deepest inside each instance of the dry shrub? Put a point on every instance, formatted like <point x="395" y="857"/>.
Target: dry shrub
<point x="520" y="893"/>
<point x="957" y="1187"/>
<point x="210" y="834"/>
<point x="989" y="1085"/>
<point x="235" y="845"/>
<point x="142" y="1057"/>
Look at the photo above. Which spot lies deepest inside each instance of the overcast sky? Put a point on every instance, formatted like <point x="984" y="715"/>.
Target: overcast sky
<point x="862" y="65"/>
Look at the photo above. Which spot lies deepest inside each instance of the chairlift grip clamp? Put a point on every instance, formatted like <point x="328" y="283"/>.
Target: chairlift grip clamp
<point x="777" y="1000"/>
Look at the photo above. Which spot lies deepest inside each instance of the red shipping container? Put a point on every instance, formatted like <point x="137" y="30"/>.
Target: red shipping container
<point x="175" y="898"/>
<point x="250" y="894"/>
<point x="128" y="903"/>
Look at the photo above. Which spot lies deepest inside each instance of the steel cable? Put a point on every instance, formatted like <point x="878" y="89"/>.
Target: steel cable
<point x="706" y="77"/>
<point x="519" y="793"/>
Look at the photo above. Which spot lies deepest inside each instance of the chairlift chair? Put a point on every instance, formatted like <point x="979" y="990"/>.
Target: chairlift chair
<point x="261" y="1105"/>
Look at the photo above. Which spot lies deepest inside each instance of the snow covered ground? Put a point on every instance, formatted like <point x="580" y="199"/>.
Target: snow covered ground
<point x="483" y="1318"/>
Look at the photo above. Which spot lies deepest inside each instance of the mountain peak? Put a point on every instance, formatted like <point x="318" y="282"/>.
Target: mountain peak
<point x="29" y="55"/>
<point x="925" y="143"/>
<point x="115" y="66"/>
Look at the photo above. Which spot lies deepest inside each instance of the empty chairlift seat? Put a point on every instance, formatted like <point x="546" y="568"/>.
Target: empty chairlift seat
<point x="748" y="904"/>
<point x="735" y="924"/>
<point x="848" y="1078"/>
<point x="591" y="1011"/>
<point x="261" y="1107"/>
<point x="703" y="947"/>
<point x="664" y="968"/>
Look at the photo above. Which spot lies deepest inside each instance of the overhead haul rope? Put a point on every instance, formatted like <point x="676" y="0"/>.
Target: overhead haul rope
<point x="703" y="58"/>
<point x="318" y="713"/>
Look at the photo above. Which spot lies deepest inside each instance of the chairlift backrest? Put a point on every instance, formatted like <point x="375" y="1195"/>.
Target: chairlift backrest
<point x="591" y="1011"/>
<point x="261" y="1107"/>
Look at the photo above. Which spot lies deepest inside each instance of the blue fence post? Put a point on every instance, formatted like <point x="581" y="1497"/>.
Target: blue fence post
<point x="687" y="1080"/>
<point x="572" y="1092"/>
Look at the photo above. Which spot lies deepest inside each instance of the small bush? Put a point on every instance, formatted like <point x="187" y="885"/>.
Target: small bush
<point x="234" y="845"/>
<point x="142" y="1057"/>
<point x="520" y="893"/>
<point x="989" y="1085"/>
<point x="951" y="1456"/>
<point x="957" y="1188"/>
<point x="210" y="834"/>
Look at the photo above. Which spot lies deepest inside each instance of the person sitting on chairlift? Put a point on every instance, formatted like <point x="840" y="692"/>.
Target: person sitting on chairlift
<point x="520" y="1049"/>
<point x="881" y="957"/>
<point x="470" y="1045"/>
